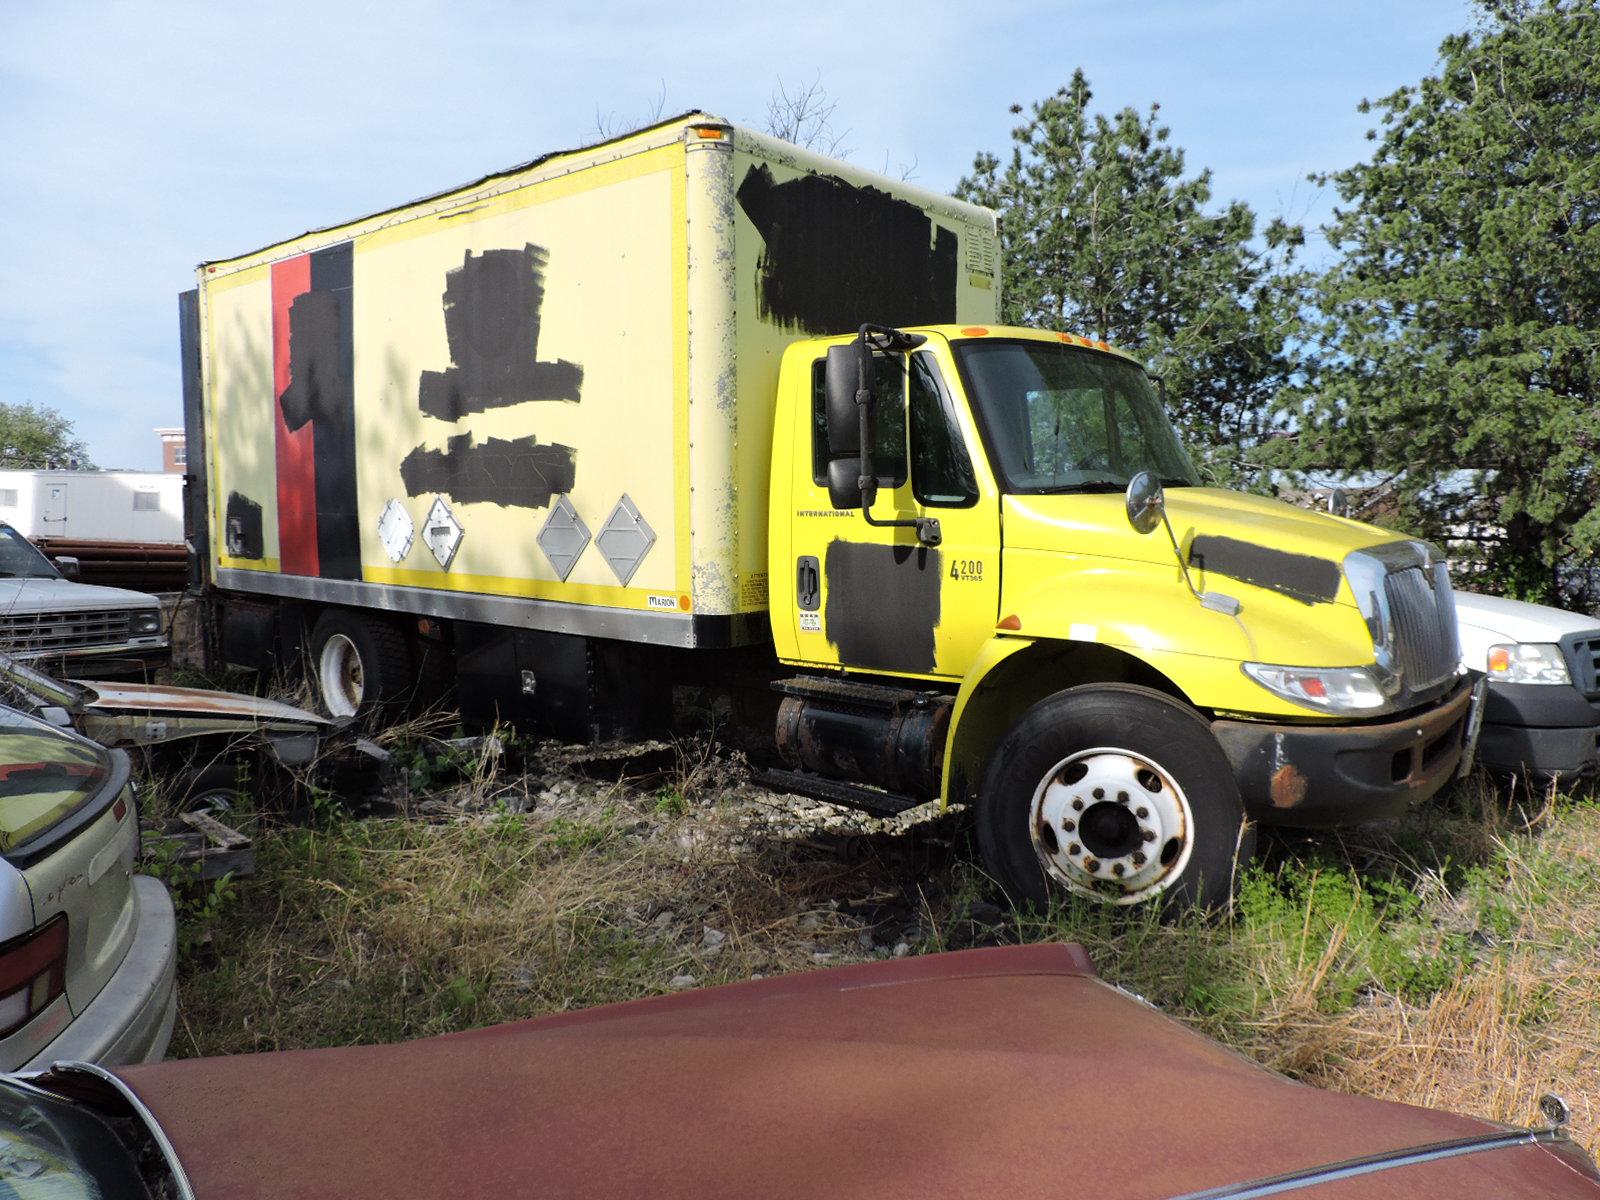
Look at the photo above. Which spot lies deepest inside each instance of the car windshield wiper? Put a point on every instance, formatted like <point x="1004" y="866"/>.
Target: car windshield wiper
<point x="1088" y="485"/>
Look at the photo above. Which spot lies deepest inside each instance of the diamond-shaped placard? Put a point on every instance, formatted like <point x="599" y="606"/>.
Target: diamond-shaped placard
<point x="442" y="532"/>
<point x="563" y="537"/>
<point x="625" y="539"/>
<point x="396" y="530"/>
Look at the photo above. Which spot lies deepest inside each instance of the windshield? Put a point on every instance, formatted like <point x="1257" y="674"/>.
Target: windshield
<point x="1060" y="419"/>
<point x="20" y="560"/>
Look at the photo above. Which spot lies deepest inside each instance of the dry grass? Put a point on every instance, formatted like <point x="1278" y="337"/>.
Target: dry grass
<point x="1523" y="1020"/>
<point x="1450" y="962"/>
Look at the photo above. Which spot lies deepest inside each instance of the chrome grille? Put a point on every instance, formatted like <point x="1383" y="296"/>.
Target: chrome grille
<point x="1425" y="639"/>
<point x="34" y="632"/>
<point x="1585" y="661"/>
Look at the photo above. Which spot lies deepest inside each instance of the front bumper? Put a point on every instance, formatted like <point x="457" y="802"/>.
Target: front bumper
<point x="1545" y="730"/>
<point x="138" y="660"/>
<point x="1321" y="776"/>
<point x="131" y="1018"/>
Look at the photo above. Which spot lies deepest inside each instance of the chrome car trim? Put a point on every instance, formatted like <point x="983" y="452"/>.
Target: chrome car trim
<point x="1291" y="1181"/>
<point x="142" y="1111"/>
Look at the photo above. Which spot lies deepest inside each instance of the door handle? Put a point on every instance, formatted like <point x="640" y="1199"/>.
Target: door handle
<point x="808" y="583"/>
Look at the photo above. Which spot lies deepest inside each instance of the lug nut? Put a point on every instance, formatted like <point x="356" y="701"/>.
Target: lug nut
<point x="1073" y="849"/>
<point x="1099" y="793"/>
<point x="1069" y="826"/>
<point x="1122" y="797"/>
<point x="1138" y="858"/>
<point x="1077" y="805"/>
<point x="1149" y="835"/>
<point x="1091" y="865"/>
<point x="1117" y="869"/>
<point x="1142" y="812"/>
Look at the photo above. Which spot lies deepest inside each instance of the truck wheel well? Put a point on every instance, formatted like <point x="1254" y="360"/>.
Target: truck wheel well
<point x="1020" y="682"/>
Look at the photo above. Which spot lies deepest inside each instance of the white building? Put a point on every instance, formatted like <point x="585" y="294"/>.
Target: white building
<point x="108" y="506"/>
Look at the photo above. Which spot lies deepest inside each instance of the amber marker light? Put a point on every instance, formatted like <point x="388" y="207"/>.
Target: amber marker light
<point x="1499" y="660"/>
<point x="710" y="132"/>
<point x="974" y="331"/>
<point x="1013" y="623"/>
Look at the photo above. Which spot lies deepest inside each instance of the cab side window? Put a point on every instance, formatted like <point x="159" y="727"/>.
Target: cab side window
<point x="888" y="420"/>
<point x="941" y="471"/>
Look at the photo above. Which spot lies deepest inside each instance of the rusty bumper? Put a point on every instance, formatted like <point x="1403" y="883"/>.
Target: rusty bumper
<point x="1321" y="776"/>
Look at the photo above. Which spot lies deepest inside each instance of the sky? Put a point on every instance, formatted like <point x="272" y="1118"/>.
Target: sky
<point x="138" y="139"/>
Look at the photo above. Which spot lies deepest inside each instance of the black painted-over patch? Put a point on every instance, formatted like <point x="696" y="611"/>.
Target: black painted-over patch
<point x="883" y="605"/>
<point x="241" y="527"/>
<point x="492" y="303"/>
<point x="521" y="473"/>
<point x="321" y="390"/>
<point x="838" y="256"/>
<point x="1302" y="577"/>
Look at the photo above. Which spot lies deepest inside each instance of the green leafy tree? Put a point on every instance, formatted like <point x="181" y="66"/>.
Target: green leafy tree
<point x="1458" y="359"/>
<point x="1104" y="235"/>
<point x="34" y="435"/>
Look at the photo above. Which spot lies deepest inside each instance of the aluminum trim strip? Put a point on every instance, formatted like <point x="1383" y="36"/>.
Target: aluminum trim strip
<point x="622" y="624"/>
<point x="1277" y="1185"/>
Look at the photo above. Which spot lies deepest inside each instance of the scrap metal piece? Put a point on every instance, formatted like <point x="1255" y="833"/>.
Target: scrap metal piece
<point x="625" y="539"/>
<point x="442" y="532"/>
<point x="396" y="530"/>
<point x="563" y="538"/>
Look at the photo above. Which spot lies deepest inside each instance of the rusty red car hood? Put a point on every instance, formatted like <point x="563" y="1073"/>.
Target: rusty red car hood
<point x="997" y="1073"/>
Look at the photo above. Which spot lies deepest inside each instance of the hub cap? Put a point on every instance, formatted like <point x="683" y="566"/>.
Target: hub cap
<point x="1111" y="824"/>
<point x="339" y="674"/>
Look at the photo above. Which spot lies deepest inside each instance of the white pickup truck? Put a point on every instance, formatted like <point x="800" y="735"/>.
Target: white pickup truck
<point x="47" y="617"/>
<point x="1541" y="715"/>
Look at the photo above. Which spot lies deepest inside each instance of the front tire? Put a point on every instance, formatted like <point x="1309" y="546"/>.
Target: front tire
<point x="1116" y="793"/>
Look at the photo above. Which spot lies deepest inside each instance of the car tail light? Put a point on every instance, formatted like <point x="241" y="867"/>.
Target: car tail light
<point x="33" y="972"/>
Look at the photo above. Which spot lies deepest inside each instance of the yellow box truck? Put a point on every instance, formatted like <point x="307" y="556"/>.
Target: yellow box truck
<point x="696" y="406"/>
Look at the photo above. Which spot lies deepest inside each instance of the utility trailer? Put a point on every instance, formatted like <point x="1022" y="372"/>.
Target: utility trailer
<point x="695" y="404"/>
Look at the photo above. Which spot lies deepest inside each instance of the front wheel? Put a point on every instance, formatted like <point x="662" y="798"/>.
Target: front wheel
<point x="1117" y="793"/>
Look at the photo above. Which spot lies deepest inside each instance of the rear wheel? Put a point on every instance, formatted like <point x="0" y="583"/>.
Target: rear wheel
<point x="1116" y="793"/>
<point x="361" y="665"/>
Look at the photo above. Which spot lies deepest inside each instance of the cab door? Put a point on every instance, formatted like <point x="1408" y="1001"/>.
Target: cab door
<point x="872" y="598"/>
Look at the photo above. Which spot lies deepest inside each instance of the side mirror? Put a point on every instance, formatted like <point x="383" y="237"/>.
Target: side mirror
<point x="1338" y="502"/>
<point x="1145" y="502"/>
<point x="844" y="483"/>
<point x="70" y="567"/>
<point x="849" y="413"/>
<point x="849" y="370"/>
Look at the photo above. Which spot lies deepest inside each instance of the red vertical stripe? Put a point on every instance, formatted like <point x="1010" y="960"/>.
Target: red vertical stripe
<point x="297" y="469"/>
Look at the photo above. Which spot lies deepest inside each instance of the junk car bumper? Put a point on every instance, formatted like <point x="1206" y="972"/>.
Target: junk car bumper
<point x="1544" y="729"/>
<point x="1320" y="776"/>
<point x="131" y="1018"/>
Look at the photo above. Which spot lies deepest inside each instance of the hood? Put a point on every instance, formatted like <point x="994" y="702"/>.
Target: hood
<point x="1516" y="621"/>
<point x="142" y="698"/>
<point x="61" y="595"/>
<point x="953" y="1075"/>
<point x="1250" y="539"/>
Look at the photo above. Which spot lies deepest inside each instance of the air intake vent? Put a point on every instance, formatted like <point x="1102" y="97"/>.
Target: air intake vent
<point x="1584" y="659"/>
<point x="22" y="633"/>
<point x="1425" y="636"/>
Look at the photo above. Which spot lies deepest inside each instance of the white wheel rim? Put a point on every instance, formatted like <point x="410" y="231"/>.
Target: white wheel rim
<point x="1111" y="824"/>
<point x="340" y="676"/>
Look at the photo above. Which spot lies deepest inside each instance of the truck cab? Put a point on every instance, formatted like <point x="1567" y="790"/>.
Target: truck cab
<point x="1008" y="587"/>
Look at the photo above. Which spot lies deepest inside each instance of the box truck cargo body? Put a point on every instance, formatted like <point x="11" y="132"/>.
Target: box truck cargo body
<point x="546" y="400"/>
<point x="695" y="403"/>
